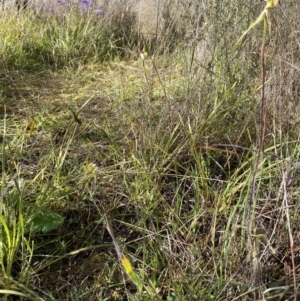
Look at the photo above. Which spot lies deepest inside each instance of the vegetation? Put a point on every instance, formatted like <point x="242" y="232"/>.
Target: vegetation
<point x="150" y="162"/>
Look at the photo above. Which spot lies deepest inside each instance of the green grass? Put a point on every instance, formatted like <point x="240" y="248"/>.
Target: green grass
<point x="102" y="150"/>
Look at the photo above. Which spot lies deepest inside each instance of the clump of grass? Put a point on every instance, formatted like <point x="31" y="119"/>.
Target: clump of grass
<point x="149" y="162"/>
<point x="70" y="37"/>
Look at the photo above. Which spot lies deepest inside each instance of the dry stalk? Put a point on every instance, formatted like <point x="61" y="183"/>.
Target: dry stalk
<point x="264" y="16"/>
<point x="287" y="213"/>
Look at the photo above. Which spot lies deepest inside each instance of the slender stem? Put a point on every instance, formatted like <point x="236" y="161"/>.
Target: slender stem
<point x="259" y="157"/>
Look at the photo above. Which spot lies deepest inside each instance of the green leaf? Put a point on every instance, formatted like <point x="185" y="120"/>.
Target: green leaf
<point x="46" y="222"/>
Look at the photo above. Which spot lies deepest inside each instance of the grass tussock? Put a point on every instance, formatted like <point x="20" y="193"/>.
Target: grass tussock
<point x="130" y="177"/>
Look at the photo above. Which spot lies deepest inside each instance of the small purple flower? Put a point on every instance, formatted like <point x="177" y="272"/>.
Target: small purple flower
<point x="99" y="12"/>
<point x="86" y="3"/>
<point x="62" y="2"/>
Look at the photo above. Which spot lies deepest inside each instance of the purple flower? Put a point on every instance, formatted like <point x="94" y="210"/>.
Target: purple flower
<point x="86" y="3"/>
<point x="62" y="2"/>
<point x="99" y="12"/>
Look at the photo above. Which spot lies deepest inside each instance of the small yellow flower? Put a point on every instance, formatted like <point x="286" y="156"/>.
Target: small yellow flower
<point x="271" y="3"/>
<point x="143" y="54"/>
<point x="127" y="265"/>
<point x="91" y="168"/>
<point x="264" y="14"/>
<point x="130" y="272"/>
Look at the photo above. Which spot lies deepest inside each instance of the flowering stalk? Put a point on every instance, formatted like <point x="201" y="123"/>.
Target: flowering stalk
<point x="123" y="259"/>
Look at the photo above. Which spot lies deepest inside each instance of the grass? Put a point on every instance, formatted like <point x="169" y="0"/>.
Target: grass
<point x="125" y="178"/>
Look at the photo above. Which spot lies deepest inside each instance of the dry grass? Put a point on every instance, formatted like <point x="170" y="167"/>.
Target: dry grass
<point x="163" y="148"/>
